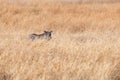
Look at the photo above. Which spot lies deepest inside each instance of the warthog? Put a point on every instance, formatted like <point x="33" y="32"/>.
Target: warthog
<point x="45" y="35"/>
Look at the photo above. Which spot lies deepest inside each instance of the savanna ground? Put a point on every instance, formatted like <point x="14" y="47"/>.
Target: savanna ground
<point x="85" y="44"/>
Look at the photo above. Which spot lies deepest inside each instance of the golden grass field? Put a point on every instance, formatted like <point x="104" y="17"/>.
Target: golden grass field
<point x="85" y="43"/>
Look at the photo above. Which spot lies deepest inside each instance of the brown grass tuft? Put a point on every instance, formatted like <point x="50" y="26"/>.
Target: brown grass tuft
<point x="115" y="72"/>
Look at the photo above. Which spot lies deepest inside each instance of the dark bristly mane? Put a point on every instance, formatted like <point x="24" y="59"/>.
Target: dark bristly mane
<point x="45" y="35"/>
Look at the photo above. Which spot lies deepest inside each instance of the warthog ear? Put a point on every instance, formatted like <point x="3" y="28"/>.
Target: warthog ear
<point x="51" y="31"/>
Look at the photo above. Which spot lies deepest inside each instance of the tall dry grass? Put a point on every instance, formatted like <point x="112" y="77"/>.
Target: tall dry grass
<point x="84" y="46"/>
